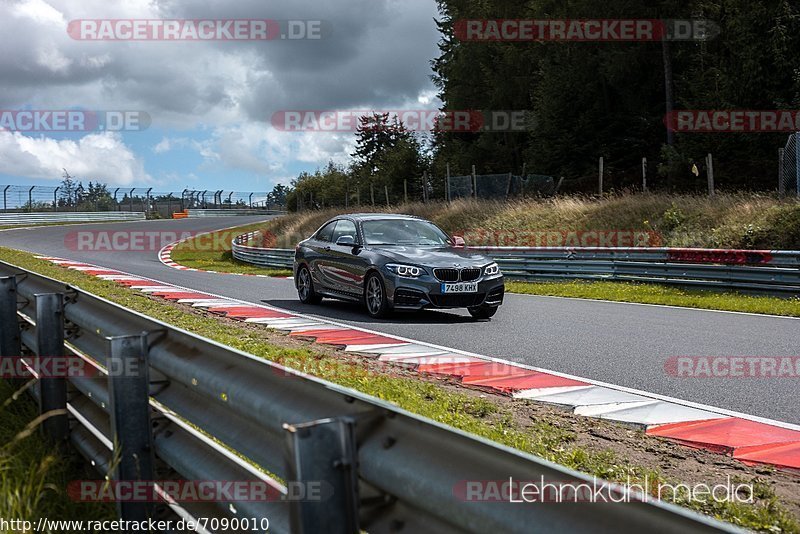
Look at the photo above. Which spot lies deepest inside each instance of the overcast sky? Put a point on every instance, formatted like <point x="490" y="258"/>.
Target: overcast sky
<point x="210" y="102"/>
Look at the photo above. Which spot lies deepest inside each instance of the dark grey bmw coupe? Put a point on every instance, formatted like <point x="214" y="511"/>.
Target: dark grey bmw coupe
<point x="395" y="262"/>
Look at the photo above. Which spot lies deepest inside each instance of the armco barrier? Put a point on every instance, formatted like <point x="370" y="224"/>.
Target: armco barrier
<point x="22" y="219"/>
<point x="774" y="271"/>
<point x="216" y="413"/>
<point x="230" y="212"/>
<point x="277" y="258"/>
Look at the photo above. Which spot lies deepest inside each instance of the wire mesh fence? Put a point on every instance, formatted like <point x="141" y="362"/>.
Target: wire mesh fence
<point x="20" y="198"/>
<point x="501" y="186"/>
<point x="789" y="172"/>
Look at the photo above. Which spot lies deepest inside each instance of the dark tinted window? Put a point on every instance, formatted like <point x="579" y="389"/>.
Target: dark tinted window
<point x="402" y="232"/>
<point x="344" y="227"/>
<point x="325" y="233"/>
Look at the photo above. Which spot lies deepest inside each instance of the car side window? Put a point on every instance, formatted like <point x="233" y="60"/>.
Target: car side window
<point x="344" y="227"/>
<point x="325" y="233"/>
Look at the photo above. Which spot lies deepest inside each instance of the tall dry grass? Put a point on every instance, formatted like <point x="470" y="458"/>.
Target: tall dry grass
<point x="743" y="220"/>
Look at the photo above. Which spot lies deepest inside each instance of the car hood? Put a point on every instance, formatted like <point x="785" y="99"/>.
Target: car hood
<point x="433" y="256"/>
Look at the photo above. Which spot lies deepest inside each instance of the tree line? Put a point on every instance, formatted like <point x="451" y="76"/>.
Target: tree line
<point x="592" y="99"/>
<point x="587" y="100"/>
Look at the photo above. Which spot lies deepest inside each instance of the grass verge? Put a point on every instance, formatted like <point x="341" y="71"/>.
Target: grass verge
<point x="34" y="473"/>
<point x="547" y="435"/>
<point x="659" y="294"/>
<point x="212" y="252"/>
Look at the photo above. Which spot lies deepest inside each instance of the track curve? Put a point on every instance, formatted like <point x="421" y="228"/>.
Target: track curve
<point x="624" y="344"/>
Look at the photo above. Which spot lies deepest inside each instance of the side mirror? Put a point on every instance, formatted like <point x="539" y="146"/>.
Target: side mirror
<point x="346" y="241"/>
<point x="458" y="242"/>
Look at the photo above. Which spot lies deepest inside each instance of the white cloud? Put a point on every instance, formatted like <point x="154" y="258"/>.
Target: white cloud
<point x="97" y="156"/>
<point x="374" y="54"/>
<point x="38" y="11"/>
<point x="51" y="58"/>
<point x="165" y="145"/>
<point x="262" y="150"/>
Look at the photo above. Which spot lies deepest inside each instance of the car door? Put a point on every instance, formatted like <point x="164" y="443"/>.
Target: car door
<point x="319" y="249"/>
<point x="347" y="264"/>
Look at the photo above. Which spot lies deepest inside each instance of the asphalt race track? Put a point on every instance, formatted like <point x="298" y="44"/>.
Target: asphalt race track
<point x="624" y="344"/>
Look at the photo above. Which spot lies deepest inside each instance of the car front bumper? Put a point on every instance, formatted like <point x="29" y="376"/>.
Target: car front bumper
<point x="426" y="292"/>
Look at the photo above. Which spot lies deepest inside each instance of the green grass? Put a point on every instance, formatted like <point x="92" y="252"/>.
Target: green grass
<point x="480" y="416"/>
<point x="660" y="294"/>
<point x="34" y="473"/>
<point x="213" y="253"/>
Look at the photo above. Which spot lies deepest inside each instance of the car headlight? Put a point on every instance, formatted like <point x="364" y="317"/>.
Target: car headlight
<point x="406" y="271"/>
<point x="491" y="269"/>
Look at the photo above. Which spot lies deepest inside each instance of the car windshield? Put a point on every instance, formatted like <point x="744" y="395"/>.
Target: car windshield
<point x="403" y="232"/>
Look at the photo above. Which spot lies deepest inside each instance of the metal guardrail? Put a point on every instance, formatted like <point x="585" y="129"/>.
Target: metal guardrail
<point x="229" y="212"/>
<point x="764" y="271"/>
<point x="21" y="219"/>
<point x="216" y="413"/>
<point x="277" y="258"/>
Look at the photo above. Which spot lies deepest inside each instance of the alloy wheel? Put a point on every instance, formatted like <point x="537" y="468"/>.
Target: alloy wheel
<point x="374" y="295"/>
<point x="304" y="284"/>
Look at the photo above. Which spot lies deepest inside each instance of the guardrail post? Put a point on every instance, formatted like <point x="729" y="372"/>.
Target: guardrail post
<point x="10" y="344"/>
<point x="50" y="344"/>
<point x="131" y="431"/>
<point x="323" y="465"/>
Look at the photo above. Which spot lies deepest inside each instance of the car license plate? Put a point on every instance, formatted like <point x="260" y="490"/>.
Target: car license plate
<point x="460" y="288"/>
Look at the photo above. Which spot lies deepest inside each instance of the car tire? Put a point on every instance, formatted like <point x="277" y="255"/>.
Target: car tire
<point x="376" y="301"/>
<point x="305" y="287"/>
<point x="483" y="312"/>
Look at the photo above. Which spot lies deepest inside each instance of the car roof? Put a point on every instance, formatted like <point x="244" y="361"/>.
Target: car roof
<point x="376" y="216"/>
